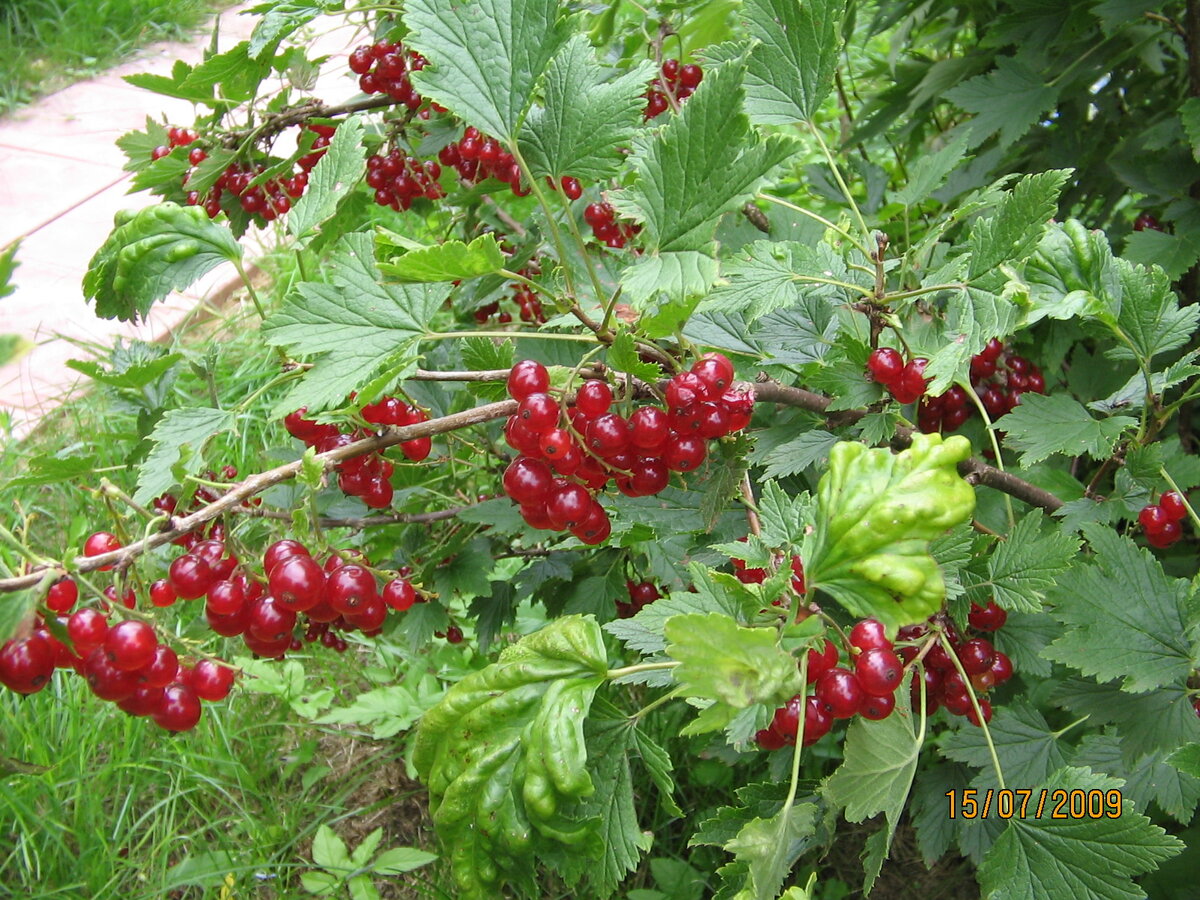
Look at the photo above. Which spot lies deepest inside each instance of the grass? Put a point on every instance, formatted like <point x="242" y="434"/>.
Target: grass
<point x="97" y="804"/>
<point x="47" y="44"/>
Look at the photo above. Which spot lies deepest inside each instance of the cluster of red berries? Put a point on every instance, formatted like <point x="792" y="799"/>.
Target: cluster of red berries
<point x="606" y="228"/>
<point x="476" y="156"/>
<point x="383" y="68"/>
<point x="905" y="381"/>
<point x="641" y="595"/>
<point x="398" y="179"/>
<point x="366" y="476"/>
<point x="867" y="686"/>
<point x="868" y="689"/>
<point x="986" y="667"/>
<point x="568" y="184"/>
<point x="180" y="137"/>
<point x="123" y="663"/>
<point x="1163" y="521"/>
<point x="597" y="445"/>
<point x="676" y="81"/>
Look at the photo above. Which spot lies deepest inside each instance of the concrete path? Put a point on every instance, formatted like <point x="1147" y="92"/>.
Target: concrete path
<point x="61" y="183"/>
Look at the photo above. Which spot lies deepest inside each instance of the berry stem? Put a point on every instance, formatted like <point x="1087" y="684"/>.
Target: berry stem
<point x="654" y="704"/>
<point x="990" y="429"/>
<point x="613" y="674"/>
<point x="987" y="734"/>
<point x="837" y="175"/>
<point x="109" y="489"/>
<point x="799" y="748"/>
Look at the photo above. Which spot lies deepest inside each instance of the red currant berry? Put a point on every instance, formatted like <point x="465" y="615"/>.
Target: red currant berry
<point x="527" y="377"/>
<point x="162" y="594"/>
<point x="179" y="709"/>
<point x="161" y="669"/>
<point x="786" y="720"/>
<point x="106" y="680"/>
<point x="716" y="371"/>
<point x="885" y="365"/>
<point x="399" y="594"/>
<point x="1153" y="518"/>
<point x="269" y="621"/>
<point x="817" y="721"/>
<point x="878" y="707"/>
<point x="1170" y="533"/>
<point x="87" y="629"/>
<point x="685" y="454"/>
<point x="1172" y="506"/>
<point x="649" y="428"/>
<point x="987" y="618"/>
<point x="976" y="655"/>
<point x="568" y="505"/>
<point x="840" y="693"/>
<point x="879" y="671"/>
<point x="101" y="542"/>
<point x="225" y="598"/>
<point x="350" y="588"/>
<point x="211" y="681"/>
<point x="868" y="634"/>
<point x="62" y="595"/>
<point x="27" y="664"/>
<point x="608" y="434"/>
<point x="649" y="476"/>
<point x="527" y="480"/>
<point x="910" y="384"/>
<point x="130" y="645"/>
<point x="454" y="635"/>
<point x="769" y="740"/>
<point x="190" y="576"/>
<point x="593" y="398"/>
<point x="1002" y="668"/>
<point x="538" y="412"/>
<point x="820" y="662"/>
<point x="297" y="583"/>
<point x="985" y="707"/>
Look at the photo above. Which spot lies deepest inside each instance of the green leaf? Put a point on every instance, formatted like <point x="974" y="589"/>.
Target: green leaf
<point x="644" y="632"/>
<point x="362" y="888"/>
<point x="1159" y="720"/>
<point x="157" y="250"/>
<point x="172" y="85"/>
<point x="15" y="609"/>
<point x="234" y="70"/>
<point x="801" y="334"/>
<point x="366" y="848"/>
<point x="1044" y="425"/>
<point x="451" y="261"/>
<point x="486" y="56"/>
<point x="1011" y="235"/>
<point x="791" y="68"/>
<point x="1187" y="759"/>
<point x="1072" y="273"/>
<point x="930" y="170"/>
<point x="281" y="18"/>
<point x="1045" y="857"/>
<point x="1027" y="564"/>
<point x="336" y="174"/>
<point x="784" y="516"/>
<point x="767" y="275"/>
<point x="1009" y="100"/>
<point x="683" y="276"/>
<point x="320" y="883"/>
<point x="623" y="356"/>
<point x="8" y="265"/>
<point x="1174" y="253"/>
<point x="877" y="513"/>
<point x="1151" y="317"/>
<point x="735" y="666"/>
<point x="504" y="750"/>
<point x="610" y="742"/>
<point x="399" y="860"/>
<point x="177" y="429"/>
<point x="585" y="117"/>
<point x="1154" y="778"/>
<point x="1189" y="114"/>
<point x="769" y="847"/>
<point x="1026" y="747"/>
<point x="973" y="317"/>
<point x="136" y="376"/>
<point x="357" y="324"/>
<point x="702" y="163"/>
<point x="1125" y="618"/>
<point x="877" y="772"/>
<point x="329" y="851"/>
<point x="808" y="448"/>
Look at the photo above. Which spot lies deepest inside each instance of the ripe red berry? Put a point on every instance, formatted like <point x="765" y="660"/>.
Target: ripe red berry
<point x="399" y="594"/>
<point x="879" y="671"/>
<point x="685" y="453"/>
<point x="878" y="707"/>
<point x="571" y="187"/>
<point x="454" y="635"/>
<point x="179" y="709"/>
<point x="786" y="720"/>
<point x="1172" y="506"/>
<point x="101" y="542"/>
<point x="987" y="618"/>
<point x="538" y="412"/>
<point x="527" y="480"/>
<point x="349" y="588"/>
<point x="568" y="505"/>
<point x="976" y="655"/>
<point x="839" y="692"/>
<point x="225" y="598"/>
<point x="27" y="664"/>
<point x="87" y="629"/>
<point x="910" y="384"/>
<point x="593" y="398"/>
<point x="62" y="595"/>
<point x="1002" y="668"/>
<point x="985" y="707"/>
<point x="820" y="662"/>
<point x="162" y="594"/>
<point x="1168" y="535"/>
<point x="190" y="576"/>
<point x="648" y="428"/>
<point x="607" y="434"/>
<point x="869" y="633"/>
<point x="297" y="582"/>
<point x="716" y="371"/>
<point x="211" y="681"/>
<point x="106" y="680"/>
<point x="161" y="669"/>
<point x="270" y="622"/>
<point x="527" y="377"/>
<point x="1153" y="518"/>
<point x="130" y="645"/>
<point x="885" y="365"/>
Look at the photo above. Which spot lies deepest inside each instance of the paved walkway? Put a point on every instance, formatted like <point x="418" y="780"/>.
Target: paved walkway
<point x="61" y="183"/>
